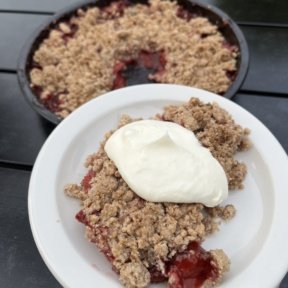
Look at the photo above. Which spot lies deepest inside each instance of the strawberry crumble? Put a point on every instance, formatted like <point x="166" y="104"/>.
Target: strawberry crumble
<point x="150" y="242"/>
<point x="94" y="51"/>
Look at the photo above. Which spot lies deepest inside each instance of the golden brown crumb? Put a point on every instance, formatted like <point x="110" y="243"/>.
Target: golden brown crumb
<point x="225" y="213"/>
<point x="135" y="234"/>
<point x="134" y="275"/>
<point x="222" y="262"/>
<point x="80" y="68"/>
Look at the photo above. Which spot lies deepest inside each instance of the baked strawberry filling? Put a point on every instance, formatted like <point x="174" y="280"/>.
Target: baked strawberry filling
<point x="191" y="268"/>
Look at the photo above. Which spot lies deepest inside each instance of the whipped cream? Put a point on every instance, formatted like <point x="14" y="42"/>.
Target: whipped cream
<point x="164" y="162"/>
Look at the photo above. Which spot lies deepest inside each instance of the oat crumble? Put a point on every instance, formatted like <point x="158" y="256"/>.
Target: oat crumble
<point x="81" y="57"/>
<point x="138" y="237"/>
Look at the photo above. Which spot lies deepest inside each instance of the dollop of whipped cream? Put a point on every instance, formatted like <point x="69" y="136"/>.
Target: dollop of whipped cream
<point x="164" y="162"/>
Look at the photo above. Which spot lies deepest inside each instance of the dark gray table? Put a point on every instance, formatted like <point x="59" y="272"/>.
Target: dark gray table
<point x="22" y="131"/>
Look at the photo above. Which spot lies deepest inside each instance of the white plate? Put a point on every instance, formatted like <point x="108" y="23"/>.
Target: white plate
<point x="255" y="240"/>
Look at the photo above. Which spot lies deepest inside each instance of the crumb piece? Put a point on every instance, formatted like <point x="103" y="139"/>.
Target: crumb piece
<point x="75" y="191"/>
<point x="225" y="213"/>
<point x="222" y="262"/>
<point x="64" y="28"/>
<point x="124" y="120"/>
<point x="134" y="275"/>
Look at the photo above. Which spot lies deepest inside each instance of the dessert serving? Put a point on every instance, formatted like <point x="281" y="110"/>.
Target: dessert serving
<point x="132" y="195"/>
<point x="101" y="48"/>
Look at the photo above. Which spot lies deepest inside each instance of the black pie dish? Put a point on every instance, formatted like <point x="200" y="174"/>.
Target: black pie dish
<point x="229" y="29"/>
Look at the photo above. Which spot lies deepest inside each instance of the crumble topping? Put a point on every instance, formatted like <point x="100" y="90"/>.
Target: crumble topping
<point x="134" y="275"/>
<point x="84" y="57"/>
<point x="216" y="130"/>
<point x="138" y="237"/>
